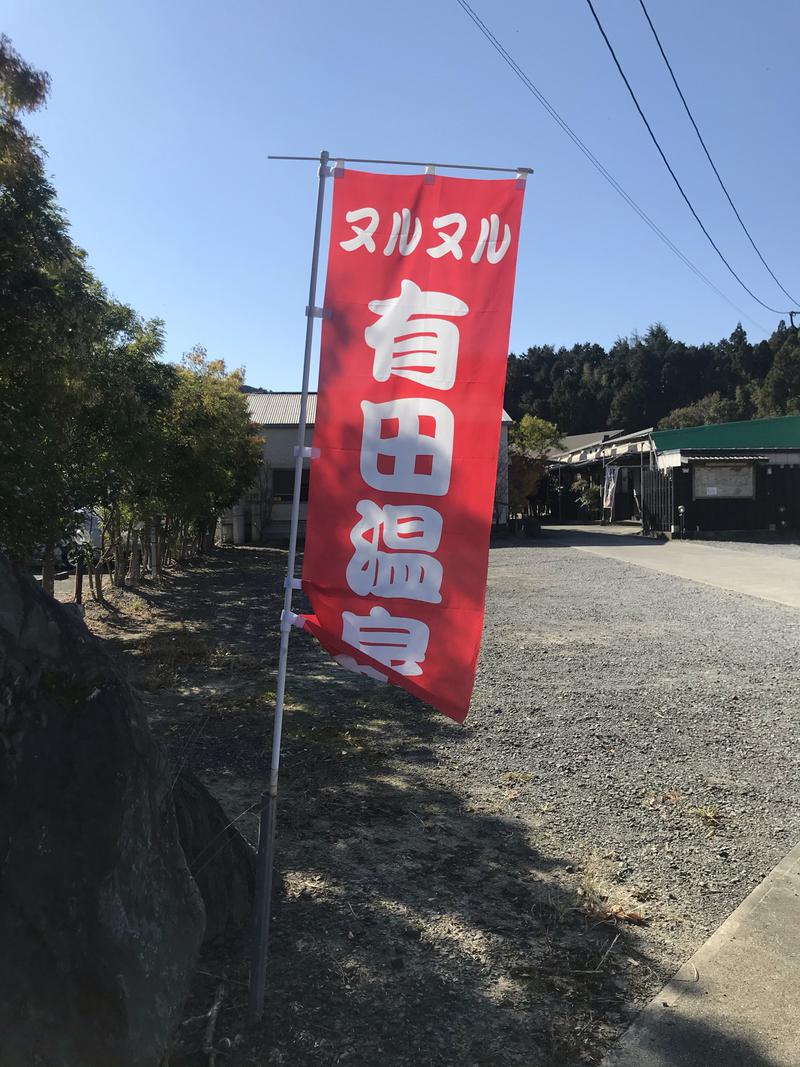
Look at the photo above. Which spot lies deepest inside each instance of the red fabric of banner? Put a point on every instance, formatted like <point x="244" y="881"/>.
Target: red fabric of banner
<point x="412" y="369"/>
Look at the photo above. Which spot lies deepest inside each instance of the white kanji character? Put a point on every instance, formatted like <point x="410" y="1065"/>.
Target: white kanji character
<point x="408" y="527"/>
<point x="451" y="242"/>
<point x="407" y="446"/>
<point x="364" y="234"/>
<point x="401" y="227"/>
<point x="488" y="241"/>
<point x="351" y="664"/>
<point x="397" y="643"/>
<point x="412" y="575"/>
<point x="409" y="345"/>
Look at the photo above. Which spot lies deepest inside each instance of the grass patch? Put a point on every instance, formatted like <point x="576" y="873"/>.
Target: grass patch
<point x="710" y="814"/>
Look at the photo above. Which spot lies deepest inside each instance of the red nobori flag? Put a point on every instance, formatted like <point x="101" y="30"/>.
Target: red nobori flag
<point x="412" y="369"/>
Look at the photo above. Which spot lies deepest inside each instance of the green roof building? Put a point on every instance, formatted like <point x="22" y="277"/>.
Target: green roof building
<point x="781" y="433"/>
<point x="728" y="478"/>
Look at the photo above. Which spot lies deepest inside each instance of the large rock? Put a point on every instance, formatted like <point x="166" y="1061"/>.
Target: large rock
<point x="100" y="919"/>
<point x="221" y="861"/>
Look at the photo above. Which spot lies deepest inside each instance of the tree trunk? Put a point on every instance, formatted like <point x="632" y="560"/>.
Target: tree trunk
<point x="79" y="581"/>
<point x="166" y="544"/>
<point x="48" y="571"/>
<point x="97" y="569"/>
<point x="119" y="564"/>
<point x="136" y="566"/>
<point x="155" y="558"/>
<point x="145" y="559"/>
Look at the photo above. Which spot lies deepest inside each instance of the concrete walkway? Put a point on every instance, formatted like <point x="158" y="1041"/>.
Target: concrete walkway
<point x="757" y="572"/>
<point x="736" y="1003"/>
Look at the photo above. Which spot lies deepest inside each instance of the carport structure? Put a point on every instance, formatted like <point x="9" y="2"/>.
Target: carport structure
<point x="732" y="477"/>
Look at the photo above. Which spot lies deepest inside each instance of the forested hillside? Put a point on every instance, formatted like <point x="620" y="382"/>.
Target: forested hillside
<point x="655" y="380"/>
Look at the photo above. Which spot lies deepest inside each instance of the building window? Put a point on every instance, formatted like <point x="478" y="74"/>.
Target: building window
<point x="283" y="485"/>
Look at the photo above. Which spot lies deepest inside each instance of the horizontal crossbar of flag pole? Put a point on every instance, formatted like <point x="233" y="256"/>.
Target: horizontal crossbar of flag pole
<point x="412" y="163"/>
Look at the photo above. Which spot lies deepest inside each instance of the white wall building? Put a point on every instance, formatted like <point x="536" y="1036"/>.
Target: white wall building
<point x="265" y="512"/>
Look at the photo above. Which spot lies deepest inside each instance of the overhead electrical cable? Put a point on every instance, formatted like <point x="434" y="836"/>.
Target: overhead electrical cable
<point x="689" y="204"/>
<point x="612" y="181"/>
<point x="708" y="155"/>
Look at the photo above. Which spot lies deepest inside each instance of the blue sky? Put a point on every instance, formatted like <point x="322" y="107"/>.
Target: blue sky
<point x="162" y="115"/>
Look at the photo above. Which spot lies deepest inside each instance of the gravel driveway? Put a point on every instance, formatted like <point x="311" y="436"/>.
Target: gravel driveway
<point x="504" y="894"/>
<point x="660" y="720"/>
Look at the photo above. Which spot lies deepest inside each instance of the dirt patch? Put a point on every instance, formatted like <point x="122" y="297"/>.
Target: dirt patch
<point x="421" y="920"/>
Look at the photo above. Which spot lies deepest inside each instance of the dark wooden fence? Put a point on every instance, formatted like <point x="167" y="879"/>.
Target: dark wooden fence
<point x="658" y="510"/>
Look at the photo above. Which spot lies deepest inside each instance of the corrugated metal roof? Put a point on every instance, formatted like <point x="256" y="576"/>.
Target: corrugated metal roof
<point x="637" y="435"/>
<point x="283" y="409"/>
<point x="576" y="442"/>
<point x="782" y="432"/>
<point x="607" y="449"/>
<point x="279" y="409"/>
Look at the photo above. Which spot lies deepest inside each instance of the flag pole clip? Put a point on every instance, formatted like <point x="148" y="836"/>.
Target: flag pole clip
<point x="318" y="313"/>
<point x="306" y="451"/>
<point x="290" y="619"/>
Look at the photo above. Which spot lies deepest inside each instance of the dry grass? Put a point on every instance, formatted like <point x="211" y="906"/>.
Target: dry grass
<point x="516" y="778"/>
<point x="178" y="646"/>
<point x="223" y="657"/>
<point x="603" y="898"/>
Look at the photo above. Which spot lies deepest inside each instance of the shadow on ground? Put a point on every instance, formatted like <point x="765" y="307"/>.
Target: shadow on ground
<point x="683" y="1042"/>
<point x="581" y="537"/>
<point x="415" y="926"/>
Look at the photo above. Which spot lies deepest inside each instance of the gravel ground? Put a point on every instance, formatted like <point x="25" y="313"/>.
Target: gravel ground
<point x="510" y="892"/>
<point x="660" y="720"/>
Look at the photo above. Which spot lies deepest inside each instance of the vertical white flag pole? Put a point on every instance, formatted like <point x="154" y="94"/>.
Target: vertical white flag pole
<point x="266" y="833"/>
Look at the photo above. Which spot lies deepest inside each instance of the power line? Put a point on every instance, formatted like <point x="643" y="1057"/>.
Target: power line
<point x="708" y="154"/>
<point x="612" y="181"/>
<point x="672" y="173"/>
